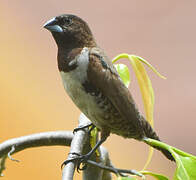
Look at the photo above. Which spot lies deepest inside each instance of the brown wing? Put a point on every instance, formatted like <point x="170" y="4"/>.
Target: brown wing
<point x="102" y="74"/>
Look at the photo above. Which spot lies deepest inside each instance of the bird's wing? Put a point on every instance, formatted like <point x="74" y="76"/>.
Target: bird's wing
<point x="103" y="75"/>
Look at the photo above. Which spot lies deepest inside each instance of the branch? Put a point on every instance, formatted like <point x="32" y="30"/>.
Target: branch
<point x="56" y="138"/>
<point x="97" y="172"/>
<point x="80" y="145"/>
<point x="77" y="145"/>
<point x="60" y="138"/>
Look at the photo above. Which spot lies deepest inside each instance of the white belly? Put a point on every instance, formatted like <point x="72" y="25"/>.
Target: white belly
<point x="85" y="102"/>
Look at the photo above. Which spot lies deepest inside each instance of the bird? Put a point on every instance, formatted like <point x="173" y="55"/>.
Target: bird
<point x="93" y="84"/>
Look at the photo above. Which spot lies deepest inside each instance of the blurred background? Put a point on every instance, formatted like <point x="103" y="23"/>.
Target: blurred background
<point x="32" y="97"/>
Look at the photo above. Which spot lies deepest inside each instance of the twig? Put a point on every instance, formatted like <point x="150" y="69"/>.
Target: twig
<point x="11" y="152"/>
<point x="2" y="165"/>
<point x="114" y="170"/>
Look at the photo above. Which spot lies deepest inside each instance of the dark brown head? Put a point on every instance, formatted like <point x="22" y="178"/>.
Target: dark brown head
<point x="70" y="31"/>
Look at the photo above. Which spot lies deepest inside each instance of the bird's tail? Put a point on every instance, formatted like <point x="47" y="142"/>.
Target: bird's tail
<point x="150" y="133"/>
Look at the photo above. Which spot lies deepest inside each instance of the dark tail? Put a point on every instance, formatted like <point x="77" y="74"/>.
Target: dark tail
<point x="150" y="133"/>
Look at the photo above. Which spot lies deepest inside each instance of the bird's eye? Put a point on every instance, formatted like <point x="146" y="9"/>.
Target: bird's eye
<point x="67" y="21"/>
<point x="63" y="21"/>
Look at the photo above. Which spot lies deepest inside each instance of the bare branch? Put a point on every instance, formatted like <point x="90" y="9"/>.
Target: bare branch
<point x="54" y="138"/>
<point x="77" y="145"/>
<point x="81" y="145"/>
<point x="106" y="161"/>
<point x="60" y="138"/>
<point x="96" y="172"/>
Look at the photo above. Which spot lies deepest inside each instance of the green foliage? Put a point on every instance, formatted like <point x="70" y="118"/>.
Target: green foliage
<point x="145" y="85"/>
<point x="186" y="163"/>
<point x="123" y="71"/>
<point x="156" y="176"/>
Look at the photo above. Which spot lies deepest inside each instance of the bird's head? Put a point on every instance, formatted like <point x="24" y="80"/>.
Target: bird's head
<point x="70" y="31"/>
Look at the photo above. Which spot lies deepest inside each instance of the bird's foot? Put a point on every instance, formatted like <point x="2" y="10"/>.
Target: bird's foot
<point x="80" y="161"/>
<point x="83" y="127"/>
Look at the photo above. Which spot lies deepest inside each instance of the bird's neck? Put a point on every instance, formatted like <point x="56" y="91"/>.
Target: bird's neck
<point x="71" y="42"/>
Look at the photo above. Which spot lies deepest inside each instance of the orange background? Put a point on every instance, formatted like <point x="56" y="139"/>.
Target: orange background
<point x="32" y="97"/>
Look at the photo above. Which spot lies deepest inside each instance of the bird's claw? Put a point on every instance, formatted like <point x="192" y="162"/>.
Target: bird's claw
<point x="81" y="159"/>
<point x="77" y="129"/>
<point x="81" y="128"/>
<point x="82" y="163"/>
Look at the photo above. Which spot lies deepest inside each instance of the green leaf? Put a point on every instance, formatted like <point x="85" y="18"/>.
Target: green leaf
<point x="149" y="65"/>
<point x="157" y="176"/>
<point x="123" y="71"/>
<point x="185" y="162"/>
<point x="186" y="165"/>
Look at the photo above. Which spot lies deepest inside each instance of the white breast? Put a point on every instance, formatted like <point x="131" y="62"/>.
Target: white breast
<point x="72" y="82"/>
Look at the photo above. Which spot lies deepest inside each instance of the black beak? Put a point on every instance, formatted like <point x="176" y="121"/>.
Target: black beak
<point x="52" y="26"/>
